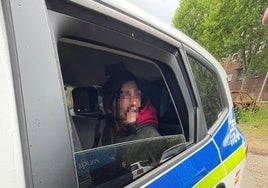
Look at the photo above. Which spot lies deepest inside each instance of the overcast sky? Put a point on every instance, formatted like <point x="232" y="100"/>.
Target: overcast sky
<point x="164" y="10"/>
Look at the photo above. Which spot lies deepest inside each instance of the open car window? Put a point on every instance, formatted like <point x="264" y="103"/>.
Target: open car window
<point x="100" y="160"/>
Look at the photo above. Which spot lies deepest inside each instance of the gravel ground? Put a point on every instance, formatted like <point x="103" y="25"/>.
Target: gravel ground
<point x="256" y="173"/>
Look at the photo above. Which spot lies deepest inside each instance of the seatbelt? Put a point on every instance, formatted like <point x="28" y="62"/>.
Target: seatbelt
<point x="102" y="125"/>
<point x="98" y="132"/>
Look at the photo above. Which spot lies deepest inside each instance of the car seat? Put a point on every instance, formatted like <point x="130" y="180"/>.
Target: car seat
<point x="87" y="116"/>
<point x="168" y="122"/>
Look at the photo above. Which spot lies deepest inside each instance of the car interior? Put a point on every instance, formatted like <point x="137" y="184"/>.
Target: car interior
<point x="85" y="67"/>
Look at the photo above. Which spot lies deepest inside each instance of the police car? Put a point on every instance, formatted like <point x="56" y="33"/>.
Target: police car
<point x="55" y="56"/>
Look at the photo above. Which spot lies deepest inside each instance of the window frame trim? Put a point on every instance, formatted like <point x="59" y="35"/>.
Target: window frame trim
<point x="171" y="63"/>
<point x="215" y="72"/>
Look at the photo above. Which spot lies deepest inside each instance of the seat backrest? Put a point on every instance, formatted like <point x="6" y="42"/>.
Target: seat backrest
<point x="168" y="122"/>
<point x="85" y="100"/>
<point x="87" y="116"/>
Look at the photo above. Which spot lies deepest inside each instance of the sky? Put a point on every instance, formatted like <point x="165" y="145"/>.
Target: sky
<point x="163" y="10"/>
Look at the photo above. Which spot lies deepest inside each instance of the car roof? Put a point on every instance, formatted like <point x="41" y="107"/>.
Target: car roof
<point x="132" y="15"/>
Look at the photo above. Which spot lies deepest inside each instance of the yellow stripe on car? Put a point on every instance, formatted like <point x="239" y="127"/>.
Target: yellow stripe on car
<point x="217" y="174"/>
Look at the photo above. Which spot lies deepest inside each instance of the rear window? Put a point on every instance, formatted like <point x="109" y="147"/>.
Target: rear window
<point x="209" y="90"/>
<point x="134" y="167"/>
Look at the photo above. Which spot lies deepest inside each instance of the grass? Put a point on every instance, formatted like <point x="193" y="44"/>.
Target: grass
<point x="257" y="119"/>
<point x="255" y="122"/>
<point x="254" y="126"/>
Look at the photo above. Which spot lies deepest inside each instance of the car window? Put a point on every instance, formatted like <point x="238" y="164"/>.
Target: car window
<point x="144" y="163"/>
<point x="100" y="158"/>
<point x="209" y="90"/>
<point x="134" y="167"/>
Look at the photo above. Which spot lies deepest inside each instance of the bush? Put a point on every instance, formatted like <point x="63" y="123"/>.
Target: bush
<point x="256" y="118"/>
<point x="242" y="113"/>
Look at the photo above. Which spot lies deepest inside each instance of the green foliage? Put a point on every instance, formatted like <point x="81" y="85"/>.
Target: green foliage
<point x="258" y="118"/>
<point x="226" y="27"/>
<point x="242" y="113"/>
<point x="69" y="98"/>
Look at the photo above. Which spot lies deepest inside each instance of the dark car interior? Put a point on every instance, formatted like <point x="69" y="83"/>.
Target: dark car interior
<point x="85" y="67"/>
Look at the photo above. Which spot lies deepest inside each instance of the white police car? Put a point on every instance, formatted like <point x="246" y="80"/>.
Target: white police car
<point x="139" y="168"/>
<point x="50" y="138"/>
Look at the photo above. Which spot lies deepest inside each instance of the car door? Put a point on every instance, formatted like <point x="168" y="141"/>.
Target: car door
<point x="205" y="88"/>
<point x="76" y="44"/>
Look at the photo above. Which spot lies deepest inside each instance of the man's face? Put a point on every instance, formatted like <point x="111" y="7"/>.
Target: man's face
<point x="129" y="102"/>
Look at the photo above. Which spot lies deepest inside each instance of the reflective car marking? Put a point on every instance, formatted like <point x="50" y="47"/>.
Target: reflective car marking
<point x="188" y="174"/>
<point x="229" y="164"/>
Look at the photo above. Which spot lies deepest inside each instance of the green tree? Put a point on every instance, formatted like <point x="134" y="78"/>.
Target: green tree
<point x="226" y="27"/>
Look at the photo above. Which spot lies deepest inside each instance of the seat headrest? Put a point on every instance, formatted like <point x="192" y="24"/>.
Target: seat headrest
<point x="85" y="100"/>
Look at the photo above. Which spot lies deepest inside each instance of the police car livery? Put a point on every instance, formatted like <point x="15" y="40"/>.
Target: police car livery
<point x="56" y="55"/>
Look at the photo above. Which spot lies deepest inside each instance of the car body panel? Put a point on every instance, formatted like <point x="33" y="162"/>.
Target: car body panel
<point x="37" y="143"/>
<point x="232" y="151"/>
<point x="11" y="160"/>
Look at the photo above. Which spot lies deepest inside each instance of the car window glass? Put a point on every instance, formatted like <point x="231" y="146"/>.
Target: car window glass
<point x="101" y="158"/>
<point x="208" y="90"/>
<point x="134" y="167"/>
<point x="144" y="163"/>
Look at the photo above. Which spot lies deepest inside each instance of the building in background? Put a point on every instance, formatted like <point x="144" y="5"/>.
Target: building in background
<point x="256" y="84"/>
